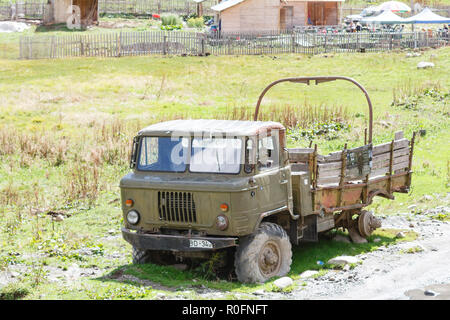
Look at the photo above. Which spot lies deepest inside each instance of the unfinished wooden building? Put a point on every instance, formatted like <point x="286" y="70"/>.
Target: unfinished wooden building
<point x="60" y="11"/>
<point x="268" y="15"/>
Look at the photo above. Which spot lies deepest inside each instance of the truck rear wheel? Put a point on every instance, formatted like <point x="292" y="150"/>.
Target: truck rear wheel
<point x="152" y="256"/>
<point x="264" y="254"/>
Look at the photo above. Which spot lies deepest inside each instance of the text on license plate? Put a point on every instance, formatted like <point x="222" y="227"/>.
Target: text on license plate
<point x="200" y="243"/>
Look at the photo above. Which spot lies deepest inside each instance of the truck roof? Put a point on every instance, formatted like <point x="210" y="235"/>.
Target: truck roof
<point x="200" y="126"/>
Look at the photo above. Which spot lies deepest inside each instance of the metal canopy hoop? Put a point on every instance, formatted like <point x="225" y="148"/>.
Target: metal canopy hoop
<point x="318" y="80"/>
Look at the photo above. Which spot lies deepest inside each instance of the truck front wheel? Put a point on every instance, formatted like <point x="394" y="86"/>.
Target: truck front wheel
<point x="264" y="254"/>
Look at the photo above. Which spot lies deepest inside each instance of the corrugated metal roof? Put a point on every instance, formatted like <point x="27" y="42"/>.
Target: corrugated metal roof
<point x="201" y="126"/>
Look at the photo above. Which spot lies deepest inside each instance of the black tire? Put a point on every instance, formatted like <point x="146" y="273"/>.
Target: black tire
<point x="152" y="256"/>
<point x="264" y="254"/>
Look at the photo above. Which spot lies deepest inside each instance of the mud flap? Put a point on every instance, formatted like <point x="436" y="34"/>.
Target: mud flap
<point x="306" y="232"/>
<point x="310" y="229"/>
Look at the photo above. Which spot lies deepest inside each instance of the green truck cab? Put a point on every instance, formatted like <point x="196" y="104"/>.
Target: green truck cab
<point x="198" y="187"/>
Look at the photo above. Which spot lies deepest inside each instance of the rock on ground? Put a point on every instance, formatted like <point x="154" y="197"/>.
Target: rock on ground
<point x="283" y="282"/>
<point x="400" y="235"/>
<point x="424" y="65"/>
<point x="308" y="274"/>
<point x="412" y="54"/>
<point x="11" y="26"/>
<point x="341" y="238"/>
<point x="343" y="260"/>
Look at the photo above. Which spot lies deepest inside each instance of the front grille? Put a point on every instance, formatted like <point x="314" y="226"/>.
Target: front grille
<point x="176" y="206"/>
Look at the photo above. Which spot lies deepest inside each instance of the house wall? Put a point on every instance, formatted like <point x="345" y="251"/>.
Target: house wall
<point x="264" y="15"/>
<point x="60" y="14"/>
<point x="252" y="15"/>
<point x="300" y="12"/>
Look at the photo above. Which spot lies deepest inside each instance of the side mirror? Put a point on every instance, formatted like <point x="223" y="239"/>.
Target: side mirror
<point x="134" y="148"/>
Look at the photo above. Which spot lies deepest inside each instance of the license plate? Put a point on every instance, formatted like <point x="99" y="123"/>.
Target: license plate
<point x="200" y="244"/>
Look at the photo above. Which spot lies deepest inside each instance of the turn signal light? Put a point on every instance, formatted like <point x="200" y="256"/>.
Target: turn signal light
<point x="129" y="202"/>
<point x="224" y="207"/>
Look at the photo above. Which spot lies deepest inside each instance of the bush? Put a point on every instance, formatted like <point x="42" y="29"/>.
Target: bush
<point x="195" y="23"/>
<point x="13" y="291"/>
<point x="170" y="20"/>
<point x="171" y="27"/>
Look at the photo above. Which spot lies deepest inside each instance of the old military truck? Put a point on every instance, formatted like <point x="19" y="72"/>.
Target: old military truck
<point x="199" y="187"/>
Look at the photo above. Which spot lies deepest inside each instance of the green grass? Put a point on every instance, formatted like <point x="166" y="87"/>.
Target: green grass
<point x="96" y="105"/>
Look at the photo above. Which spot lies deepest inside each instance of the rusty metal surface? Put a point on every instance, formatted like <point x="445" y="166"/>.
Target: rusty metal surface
<point x="318" y="80"/>
<point x="327" y="198"/>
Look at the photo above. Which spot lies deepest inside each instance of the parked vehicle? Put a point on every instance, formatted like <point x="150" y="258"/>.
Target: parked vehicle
<point x="200" y="187"/>
<point x="367" y="12"/>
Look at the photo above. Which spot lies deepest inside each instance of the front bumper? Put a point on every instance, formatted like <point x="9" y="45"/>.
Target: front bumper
<point x="175" y="243"/>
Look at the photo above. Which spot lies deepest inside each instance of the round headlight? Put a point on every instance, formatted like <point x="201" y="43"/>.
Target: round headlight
<point x="133" y="217"/>
<point x="221" y="222"/>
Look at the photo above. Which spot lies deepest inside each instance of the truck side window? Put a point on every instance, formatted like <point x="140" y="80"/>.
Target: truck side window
<point x="267" y="153"/>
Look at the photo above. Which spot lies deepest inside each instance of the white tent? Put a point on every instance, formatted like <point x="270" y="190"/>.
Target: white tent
<point x="427" y="16"/>
<point x="394" y="6"/>
<point x="386" y="17"/>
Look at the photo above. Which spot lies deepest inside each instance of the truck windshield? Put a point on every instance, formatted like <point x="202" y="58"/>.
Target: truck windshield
<point x="218" y="155"/>
<point x="163" y="154"/>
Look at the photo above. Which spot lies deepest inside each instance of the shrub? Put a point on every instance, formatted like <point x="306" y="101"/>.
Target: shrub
<point x="195" y="23"/>
<point x="13" y="291"/>
<point x="170" y="20"/>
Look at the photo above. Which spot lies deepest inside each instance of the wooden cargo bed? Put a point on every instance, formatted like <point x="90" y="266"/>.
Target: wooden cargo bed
<point x="350" y="178"/>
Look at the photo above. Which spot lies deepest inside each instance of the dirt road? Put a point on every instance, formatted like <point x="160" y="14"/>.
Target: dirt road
<point x="402" y="271"/>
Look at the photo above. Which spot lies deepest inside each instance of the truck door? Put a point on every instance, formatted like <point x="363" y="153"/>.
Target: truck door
<point x="272" y="178"/>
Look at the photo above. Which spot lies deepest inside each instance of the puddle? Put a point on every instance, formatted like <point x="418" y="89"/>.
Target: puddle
<point x="434" y="292"/>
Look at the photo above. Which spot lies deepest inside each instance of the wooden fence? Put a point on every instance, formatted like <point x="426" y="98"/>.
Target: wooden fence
<point x="117" y="44"/>
<point x="35" y="9"/>
<point x="145" y="7"/>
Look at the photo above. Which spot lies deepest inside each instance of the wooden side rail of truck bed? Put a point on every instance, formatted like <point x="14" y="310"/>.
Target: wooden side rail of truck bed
<point x="349" y="179"/>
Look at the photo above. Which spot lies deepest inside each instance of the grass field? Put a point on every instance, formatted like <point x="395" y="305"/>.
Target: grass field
<point x="66" y="128"/>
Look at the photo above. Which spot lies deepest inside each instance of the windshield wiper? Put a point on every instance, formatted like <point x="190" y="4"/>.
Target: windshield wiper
<point x="217" y="159"/>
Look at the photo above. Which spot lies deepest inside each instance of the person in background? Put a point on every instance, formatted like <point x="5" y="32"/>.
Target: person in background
<point x="358" y="27"/>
